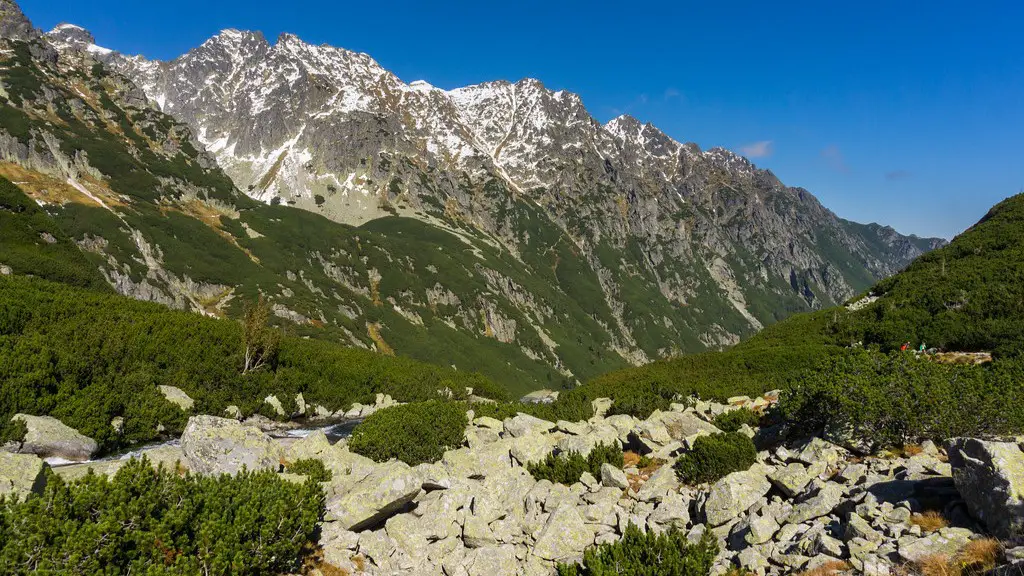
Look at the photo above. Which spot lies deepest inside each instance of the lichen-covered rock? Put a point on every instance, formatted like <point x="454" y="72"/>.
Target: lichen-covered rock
<point x="613" y="477"/>
<point x="565" y="535"/>
<point x="734" y="494"/>
<point x="822" y="503"/>
<point x="990" y="478"/>
<point x="222" y="446"/>
<point x="793" y="478"/>
<point x="20" y="475"/>
<point x="947" y="541"/>
<point x="177" y="396"/>
<point x="48" y="437"/>
<point x="524" y="424"/>
<point x="375" y="498"/>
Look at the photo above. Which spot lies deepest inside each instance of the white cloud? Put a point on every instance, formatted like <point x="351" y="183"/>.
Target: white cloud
<point x="762" y="149"/>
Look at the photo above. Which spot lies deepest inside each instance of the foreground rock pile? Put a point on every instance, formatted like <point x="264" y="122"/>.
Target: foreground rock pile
<point x="478" y="511"/>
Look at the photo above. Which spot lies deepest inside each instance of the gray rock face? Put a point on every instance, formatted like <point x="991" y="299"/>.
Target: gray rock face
<point x="990" y="477"/>
<point x="221" y="446"/>
<point x="13" y="23"/>
<point x="613" y="477"/>
<point x="48" y="437"/>
<point x="20" y="475"/>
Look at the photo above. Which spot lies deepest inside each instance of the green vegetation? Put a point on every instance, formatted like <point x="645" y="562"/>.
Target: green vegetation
<point x="648" y="554"/>
<point x="31" y="243"/>
<point x="413" y="433"/>
<point x="967" y="296"/>
<point x="716" y="456"/>
<point x="86" y="358"/>
<point x="310" y="468"/>
<point x="733" y="420"/>
<point x="566" y="468"/>
<point x="885" y="400"/>
<point x="153" y="521"/>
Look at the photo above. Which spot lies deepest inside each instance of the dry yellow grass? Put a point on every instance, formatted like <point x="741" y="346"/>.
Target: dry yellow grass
<point x="976" y="558"/>
<point x="828" y="569"/>
<point x="937" y="565"/>
<point x="912" y="450"/>
<point x="979" y="556"/>
<point x="929" y="521"/>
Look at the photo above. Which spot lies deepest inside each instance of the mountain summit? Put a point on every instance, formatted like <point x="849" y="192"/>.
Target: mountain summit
<point x="496" y="227"/>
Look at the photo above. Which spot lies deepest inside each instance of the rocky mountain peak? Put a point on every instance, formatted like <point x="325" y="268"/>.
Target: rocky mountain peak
<point x="14" y="25"/>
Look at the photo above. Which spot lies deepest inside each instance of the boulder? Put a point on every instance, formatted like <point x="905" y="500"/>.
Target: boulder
<point x="490" y="561"/>
<point x="275" y="404"/>
<point x="46" y="436"/>
<point x="177" y="396"/>
<point x="674" y="510"/>
<point x="683" y="425"/>
<point x="761" y="529"/>
<point x="312" y="446"/>
<point x="222" y="446"/>
<point x="947" y="541"/>
<point x="375" y="498"/>
<point x="819" y="451"/>
<point x="822" y="503"/>
<point x="793" y="478"/>
<point x="660" y="484"/>
<point x="524" y="424"/>
<point x="613" y="477"/>
<point x="990" y="478"/>
<point x="734" y="494"/>
<point x="21" y="474"/>
<point x="564" y="536"/>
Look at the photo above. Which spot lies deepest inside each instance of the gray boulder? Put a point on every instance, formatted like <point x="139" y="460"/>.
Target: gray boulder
<point x="524" y="424"/>
<point x="822" y="503"/>
<point x="48" y="437"/>
<point x="222" y="446"/>
<point x="990" y="478"/>
<point x="565" y="535"/>
<point x="20" y="475"/>
<point x="947" y="541"/>
<point x="734" y="494"/>
<point x="375" y="498"/>
<point x="177" y="396"/>
<point x="613" y="477"/>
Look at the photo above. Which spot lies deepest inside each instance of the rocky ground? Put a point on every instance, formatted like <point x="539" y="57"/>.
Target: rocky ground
<point x="804" y="506"/>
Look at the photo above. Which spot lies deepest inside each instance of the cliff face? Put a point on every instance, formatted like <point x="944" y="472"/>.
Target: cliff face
<point x="497" y="227"/>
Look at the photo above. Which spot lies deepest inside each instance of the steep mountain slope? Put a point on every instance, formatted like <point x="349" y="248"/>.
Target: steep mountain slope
<point x="967" y="296"/>
<point x="501" y="228"/>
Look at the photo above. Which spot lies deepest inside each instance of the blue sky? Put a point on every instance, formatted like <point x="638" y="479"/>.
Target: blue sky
<point x="904" y="113"/>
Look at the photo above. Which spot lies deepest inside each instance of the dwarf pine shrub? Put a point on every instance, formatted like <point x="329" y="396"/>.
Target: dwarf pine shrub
<point x="413" y="433"/>
<point x="567" y="467"/>
<point x="153" y="521"/>
<point x="716" y="456"/>
<point x="648" y="554"/>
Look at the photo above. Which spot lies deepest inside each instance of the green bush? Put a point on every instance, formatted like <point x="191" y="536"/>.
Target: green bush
<point x="152" y="521"/>
<point x="716" y="456"/>
<point x="310" y="468"/>
<point x="648" y="554"/>
<point x="885" y="400"/>
<point x="566" y="468"/>
<point x="734" y="420"/>
<point x="413" y="433"/>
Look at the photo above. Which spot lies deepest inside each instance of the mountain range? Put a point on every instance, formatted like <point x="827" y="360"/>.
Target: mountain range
<point x="496" y="227"/>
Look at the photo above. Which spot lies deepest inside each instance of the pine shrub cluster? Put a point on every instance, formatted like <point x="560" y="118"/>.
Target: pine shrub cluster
<point x="413" y="433"/>
<point x="154" y="521"/>
<point x="311" y="468"/>
<point x="567" y="467"/>
<point x="733" y="420"/>
<point x="648" y="554"/>
<point x="716" y="456"/>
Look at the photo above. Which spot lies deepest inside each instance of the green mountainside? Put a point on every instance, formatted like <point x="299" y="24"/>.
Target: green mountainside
<point x="965" y="297"/>
<point x="529" y="301"/>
